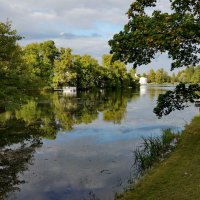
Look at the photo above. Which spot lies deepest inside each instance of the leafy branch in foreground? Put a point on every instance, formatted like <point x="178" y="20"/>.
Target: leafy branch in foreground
<point x="145" y="35"/>
<point x="177" y="99"/>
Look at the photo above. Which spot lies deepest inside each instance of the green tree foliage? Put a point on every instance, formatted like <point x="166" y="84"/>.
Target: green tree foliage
<point x="115" y="73"/>
<point x="9" y="57"/>
<point x="162" y="76"/>
<point x="88" y="72"/>
<point x="132" y="73"/>
<point x="9" y="50"/>
<point x="173" y="78"/>
<point x="39" y="58"/>
<point x="159" y="77"/>
<point x="145" y="35"/>
<point x="151" y="76"/>
<point x="15" y="78"/>
<point x="189" y="75"/>
<point x="84" y="72"/>
<point x="196" y="75"/>
<point x="134" y="80"/>
<point x="64" y="73"/>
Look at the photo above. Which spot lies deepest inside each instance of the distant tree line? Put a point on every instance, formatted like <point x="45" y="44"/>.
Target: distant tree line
<point x="189" y="75"/>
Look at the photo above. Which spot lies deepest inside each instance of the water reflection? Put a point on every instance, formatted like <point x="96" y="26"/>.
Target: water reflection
<point x="75" y="147"/>
<point x="17" y="147"/>
<point x="143" y="90"/>
<point x="22" y="131"/>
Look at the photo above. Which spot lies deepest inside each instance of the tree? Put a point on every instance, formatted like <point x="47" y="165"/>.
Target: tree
<point x="196" y="75"/>
<point x="116" y="75"/>
<point x="145" y="35"/>
<point x="151" y="76"/>
<point x="14" y="75"/>
<point x="134" y="79"/>
<point x="9" y="55"/>
<point x="159" y="76"/>
<point x="176" y="33"/>
<point x="88" y="74"/>
<point x="64" y="73"/>
<point x="173" y="78"/>
<point x="39" y="58"/>
<point x="166" y="77"/>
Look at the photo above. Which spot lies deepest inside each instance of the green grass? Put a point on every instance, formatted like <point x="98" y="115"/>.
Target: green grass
<point x="178" y="176"/>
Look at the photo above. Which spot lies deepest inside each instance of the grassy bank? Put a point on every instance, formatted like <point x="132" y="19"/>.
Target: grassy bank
<point x="178" y="176"/>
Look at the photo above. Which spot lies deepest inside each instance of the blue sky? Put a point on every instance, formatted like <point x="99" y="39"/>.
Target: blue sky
<point x="83" y="25"/>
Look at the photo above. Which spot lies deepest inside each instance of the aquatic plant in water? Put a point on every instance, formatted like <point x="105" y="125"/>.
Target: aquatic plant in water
<point x="154" y="149"/>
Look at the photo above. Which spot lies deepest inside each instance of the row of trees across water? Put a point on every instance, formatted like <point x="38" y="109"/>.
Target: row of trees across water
<point x="189" y="75"/>
<point x="57" y="67"/>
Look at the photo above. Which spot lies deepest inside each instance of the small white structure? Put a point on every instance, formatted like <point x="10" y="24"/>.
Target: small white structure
<point x="69" y="90"/>
<point x="143" y="81"/>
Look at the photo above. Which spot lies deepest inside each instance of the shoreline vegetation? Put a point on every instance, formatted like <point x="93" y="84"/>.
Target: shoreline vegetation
<point x="175" y="177"/>
<point x="155" y="149"/>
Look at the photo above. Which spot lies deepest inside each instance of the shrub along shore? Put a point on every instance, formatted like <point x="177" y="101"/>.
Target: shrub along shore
<point x="177" y="176"/>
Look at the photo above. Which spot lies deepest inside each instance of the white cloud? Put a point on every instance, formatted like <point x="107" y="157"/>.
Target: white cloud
<point x="73" y="13"/>
<point x="43" y="16"/>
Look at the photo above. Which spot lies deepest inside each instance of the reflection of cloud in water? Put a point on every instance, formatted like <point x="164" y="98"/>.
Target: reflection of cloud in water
<point x="77" y="166"/>
<point x="85" y="160"/>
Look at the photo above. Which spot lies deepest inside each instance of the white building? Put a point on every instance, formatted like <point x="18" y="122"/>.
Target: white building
<point x="143" y="81"/>
<point x="69" y="90"/>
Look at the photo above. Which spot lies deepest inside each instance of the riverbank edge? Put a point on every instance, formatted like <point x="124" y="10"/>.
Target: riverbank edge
<point x="175" y="178"/>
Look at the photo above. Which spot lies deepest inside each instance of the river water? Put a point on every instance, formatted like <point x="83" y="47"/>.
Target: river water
<point x="80" y="147"/>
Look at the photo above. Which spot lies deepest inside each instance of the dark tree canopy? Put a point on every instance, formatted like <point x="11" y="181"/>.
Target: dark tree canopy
<point x="177" y="33"/>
